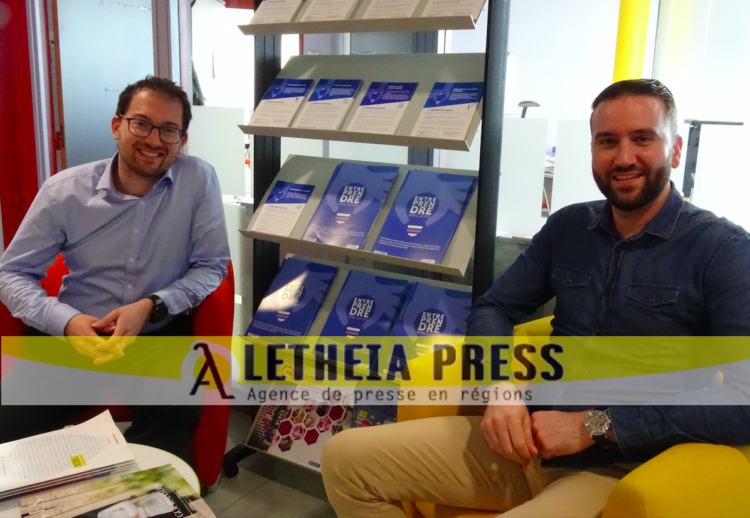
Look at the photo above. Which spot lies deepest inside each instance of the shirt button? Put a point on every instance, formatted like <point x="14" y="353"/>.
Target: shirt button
<point x="131" y="259"/>
<point x="135" y="231"/>
<point x="130" y="286"/>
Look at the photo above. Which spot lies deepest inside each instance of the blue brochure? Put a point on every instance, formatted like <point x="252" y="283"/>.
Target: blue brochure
<point x="328" y="104"/>
<point x="281" y="210"/>
<point x="286" y="88"/>
<point x="350" y="204"/>
<point x="366" y="306"/>
<point x="424" y="217"/>
<point x="328" y="89"/>
<point x="451" y="94"/>
<point x="382" y="108"/>
<point x="280" y="102"/>
<point x="293" y="299"/>
<point x="384" y="93"/>
<point x="432" y="311"/>
<point x="287" y="192"/>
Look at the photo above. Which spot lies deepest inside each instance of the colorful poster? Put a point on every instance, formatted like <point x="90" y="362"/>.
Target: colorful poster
<point x="298" y="433"/>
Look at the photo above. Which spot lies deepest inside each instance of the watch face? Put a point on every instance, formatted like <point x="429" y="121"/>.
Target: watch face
<point x="597" y="422"/>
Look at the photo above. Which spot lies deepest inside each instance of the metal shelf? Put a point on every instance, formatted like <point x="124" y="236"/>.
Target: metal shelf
<point x="357" y="23"/>
<point x="426" y="69"/>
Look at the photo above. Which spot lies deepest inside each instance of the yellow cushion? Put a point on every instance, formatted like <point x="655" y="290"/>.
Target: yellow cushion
<point x="686" y="481"/>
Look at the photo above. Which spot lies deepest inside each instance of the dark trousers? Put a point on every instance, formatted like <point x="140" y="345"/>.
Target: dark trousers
<point x="169" y="428"/>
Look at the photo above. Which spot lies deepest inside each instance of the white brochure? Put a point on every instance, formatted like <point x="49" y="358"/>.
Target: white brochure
<point x="326" y="10"/>
<point x="328" y="104"/>
<point x="281" y="102"/>
<point x="276" y="11"/>
<point x="382" y="108"/>
<point x="279" y="214"/>
<point x="449" y="111"/>
<point x="391" y="9"/>
<point x="454" y="8"/>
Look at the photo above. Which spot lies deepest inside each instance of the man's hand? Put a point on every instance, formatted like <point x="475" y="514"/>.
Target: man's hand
<point x="560" y="433"/>
<point x="126" y="320"/>
<point x="80" y="325"/>
<point x="85" y="341"/>
<point x="507" y="429"/>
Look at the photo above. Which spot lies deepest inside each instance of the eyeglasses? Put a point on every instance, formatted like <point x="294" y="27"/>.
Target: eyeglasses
<point x="142" y="128"/>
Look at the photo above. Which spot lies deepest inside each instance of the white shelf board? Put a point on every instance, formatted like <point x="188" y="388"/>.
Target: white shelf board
<point x="349" y="26"/>
<point x="318" y="171"/>
<point x="357" y="23"/>
<point x="426" y="69"/>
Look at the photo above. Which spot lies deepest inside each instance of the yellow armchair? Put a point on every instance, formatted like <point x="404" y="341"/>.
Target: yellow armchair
<point x="686" y="481"/>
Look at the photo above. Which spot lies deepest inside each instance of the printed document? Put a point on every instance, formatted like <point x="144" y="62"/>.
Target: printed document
<point x="276" y="11"/>
<point x="449" y="110"/>
<point x="382" y="108"/>
<point x="328" y="104"/>
<point x="69" y="454"/>
<point x="391" y="9"/>
<point x="281" y="103"/>
<point x="327" y="10"/>
<point x="282" y="209"/>
<point x="471" y="8"/>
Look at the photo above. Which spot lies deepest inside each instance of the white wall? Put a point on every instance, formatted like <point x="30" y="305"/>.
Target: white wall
<point x="565" y="53"/>
<point x="223" y="57"/>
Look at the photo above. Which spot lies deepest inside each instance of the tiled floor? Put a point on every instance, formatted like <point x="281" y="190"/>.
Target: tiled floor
<point x="267" y="487"/>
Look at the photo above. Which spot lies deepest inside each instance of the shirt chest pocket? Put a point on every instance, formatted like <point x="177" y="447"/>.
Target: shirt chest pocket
<point x="570" y="278"/>
<point x="653" y="296"/>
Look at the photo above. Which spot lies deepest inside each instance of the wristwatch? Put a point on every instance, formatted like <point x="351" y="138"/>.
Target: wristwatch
<point x="597" y="424"/>
<point x="159" y="312"/>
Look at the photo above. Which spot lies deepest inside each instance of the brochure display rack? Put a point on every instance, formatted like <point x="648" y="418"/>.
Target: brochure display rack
<point x="317" y="172"/>
<point x="472" y="86"/>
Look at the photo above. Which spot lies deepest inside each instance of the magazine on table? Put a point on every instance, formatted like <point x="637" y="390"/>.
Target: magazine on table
<point x="77" y="453"/>
<point x="153" y="493"/>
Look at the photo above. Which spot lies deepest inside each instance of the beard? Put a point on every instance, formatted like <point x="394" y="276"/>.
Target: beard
<point x="129" y="155"/>
<point x="655" y="180"/>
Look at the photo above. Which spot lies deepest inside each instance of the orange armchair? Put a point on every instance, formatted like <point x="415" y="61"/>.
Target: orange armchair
<point x="213" y="317"/>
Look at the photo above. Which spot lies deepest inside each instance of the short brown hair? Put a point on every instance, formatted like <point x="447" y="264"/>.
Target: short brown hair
<point x="635" y="87"/>
<point x="157" y="84"/>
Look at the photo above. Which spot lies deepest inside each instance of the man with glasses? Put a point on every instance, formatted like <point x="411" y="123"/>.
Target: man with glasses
<point x="144" y="238"/>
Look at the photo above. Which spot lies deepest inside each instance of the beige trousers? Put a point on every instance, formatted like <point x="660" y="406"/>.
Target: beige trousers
<point x="445" y="460"/>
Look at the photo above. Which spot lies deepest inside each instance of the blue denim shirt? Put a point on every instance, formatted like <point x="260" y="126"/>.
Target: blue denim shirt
<point x="687" y="273"/>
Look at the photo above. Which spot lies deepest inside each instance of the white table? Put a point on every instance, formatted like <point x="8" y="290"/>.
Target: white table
<point x="146" y="457"/>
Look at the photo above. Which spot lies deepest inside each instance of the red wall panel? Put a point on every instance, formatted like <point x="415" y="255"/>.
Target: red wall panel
<point x="18" y="170"/>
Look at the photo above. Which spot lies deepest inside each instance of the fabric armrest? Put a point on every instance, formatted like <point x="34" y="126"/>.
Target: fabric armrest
<point x="686" y="481"/>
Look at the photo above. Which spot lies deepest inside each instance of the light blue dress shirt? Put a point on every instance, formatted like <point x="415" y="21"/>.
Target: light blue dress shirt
<point x="119" y="248"/>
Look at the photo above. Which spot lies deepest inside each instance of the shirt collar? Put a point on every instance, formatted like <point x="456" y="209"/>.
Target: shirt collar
<point x="106" y="183"/>
<point x="661" y="225"/>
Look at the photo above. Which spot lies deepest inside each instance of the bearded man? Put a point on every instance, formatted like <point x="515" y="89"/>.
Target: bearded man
<point x="642" y="263"/>
<point x="144" y="238"/>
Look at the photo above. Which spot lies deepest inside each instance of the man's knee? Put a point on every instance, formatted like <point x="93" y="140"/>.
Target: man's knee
<point x="345" y="453"/>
